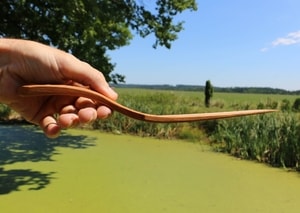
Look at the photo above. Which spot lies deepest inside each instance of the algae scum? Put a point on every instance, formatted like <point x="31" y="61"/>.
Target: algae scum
<point x="86" y="171"/>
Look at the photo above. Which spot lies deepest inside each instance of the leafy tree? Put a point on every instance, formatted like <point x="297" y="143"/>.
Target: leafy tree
<point x="209" y="90"/>
<point x="88" y="28"/>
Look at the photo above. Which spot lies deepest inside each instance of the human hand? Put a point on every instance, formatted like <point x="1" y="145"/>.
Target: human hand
<point x="27" y="62"/>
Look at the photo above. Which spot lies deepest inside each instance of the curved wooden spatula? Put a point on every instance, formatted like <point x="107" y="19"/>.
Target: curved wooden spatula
<point x="48" y="90"/>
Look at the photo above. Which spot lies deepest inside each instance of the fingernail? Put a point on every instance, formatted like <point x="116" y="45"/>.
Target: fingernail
<point x="113" y="92"/>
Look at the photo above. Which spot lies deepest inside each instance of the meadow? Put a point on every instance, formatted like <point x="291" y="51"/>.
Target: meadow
<point x="175" y="102"/>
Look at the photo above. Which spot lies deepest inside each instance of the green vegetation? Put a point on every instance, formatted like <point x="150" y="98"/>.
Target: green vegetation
<point x="272" y="138"/>
<point x="155" y="102"/>
<point x="4" y="111"/>
<point x="88" y="29"/>
<point x="182" y="87"/>
<point x="208" y="92"/>
<point x="296" y="105"/>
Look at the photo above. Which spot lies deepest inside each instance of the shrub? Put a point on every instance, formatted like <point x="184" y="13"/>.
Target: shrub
<point x="285" y="105"/>
<point x="4" y="111"/>
<point x="272" y="104"/>
<point x="260" y="106"/>
<point x="296" y="105"/>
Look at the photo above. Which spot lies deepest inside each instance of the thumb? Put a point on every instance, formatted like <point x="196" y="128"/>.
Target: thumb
<point x="72" y="68"/>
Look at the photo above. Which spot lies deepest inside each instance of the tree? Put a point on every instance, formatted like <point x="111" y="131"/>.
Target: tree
<point x="208" y="93"/>
<point x="88" y="28"/>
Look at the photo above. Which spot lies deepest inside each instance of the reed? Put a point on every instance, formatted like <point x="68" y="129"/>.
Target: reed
<point x="272" y="139"/>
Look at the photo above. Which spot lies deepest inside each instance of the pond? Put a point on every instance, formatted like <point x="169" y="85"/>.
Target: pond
<point x="88" y="171"/>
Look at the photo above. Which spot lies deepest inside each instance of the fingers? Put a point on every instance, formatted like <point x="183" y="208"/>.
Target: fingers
<point x="103" y="112"/>
<point x="89" y="111"/>
<point x="68" y="120"/>
<point x="81" y="72"/>
<point x="50" y="127"/>
<point x="83" y="111"/>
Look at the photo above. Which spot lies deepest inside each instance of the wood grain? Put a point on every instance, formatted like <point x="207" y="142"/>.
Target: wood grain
<point x="50" y="89"/>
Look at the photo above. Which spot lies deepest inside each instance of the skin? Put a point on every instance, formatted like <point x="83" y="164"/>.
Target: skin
<point x="27" y="62"/>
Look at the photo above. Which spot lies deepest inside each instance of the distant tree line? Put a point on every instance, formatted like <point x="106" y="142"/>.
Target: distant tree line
<point x="182" y="87"/>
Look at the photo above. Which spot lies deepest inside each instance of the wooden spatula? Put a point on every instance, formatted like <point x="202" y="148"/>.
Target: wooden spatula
<point x="48" y="90"/>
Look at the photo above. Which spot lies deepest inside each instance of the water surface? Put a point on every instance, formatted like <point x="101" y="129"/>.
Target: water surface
<point x="87" y="171"/>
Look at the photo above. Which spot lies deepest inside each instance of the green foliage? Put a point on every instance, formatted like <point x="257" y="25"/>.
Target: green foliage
<point x="270" y="104"/>
<point x="272" y="138"/>
<point x="285" y="105"/>
<point x="4" y="111"/>
<point x="173" y="102"/>
<point x="88" y="28"/>
<point x="296" y="105"/>
<point x="155" y="103"/>
<point x="208" y="91"/>
<point x="190" y="133"/>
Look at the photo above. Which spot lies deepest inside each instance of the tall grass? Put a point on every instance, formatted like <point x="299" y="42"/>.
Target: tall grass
<point x="154" y="103"/>
<point x="273" y="138"/>
<point x="174" y="102"/>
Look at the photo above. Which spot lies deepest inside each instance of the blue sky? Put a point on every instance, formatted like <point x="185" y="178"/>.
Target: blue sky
<point x="248" y="43"/>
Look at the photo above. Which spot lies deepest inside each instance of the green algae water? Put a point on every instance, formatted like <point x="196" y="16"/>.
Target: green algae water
<point x="87" y="171"/>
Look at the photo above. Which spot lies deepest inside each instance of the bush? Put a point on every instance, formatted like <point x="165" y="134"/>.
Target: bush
<point x="4" y="111"/>
<point x="260" y="106"/>
<point x="296" y="105"/>
<point x="285" y="105"/>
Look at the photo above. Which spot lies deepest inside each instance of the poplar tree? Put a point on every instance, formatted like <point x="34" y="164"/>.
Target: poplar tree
<point x="208" y="93"/>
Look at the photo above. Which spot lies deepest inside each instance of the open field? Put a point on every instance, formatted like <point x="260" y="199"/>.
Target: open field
<point x="88" y="171"/>
<point x="192" y="98"/>
<point x="175" y="102"/>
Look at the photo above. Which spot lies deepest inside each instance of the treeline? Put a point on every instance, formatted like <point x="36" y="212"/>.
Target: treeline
<point x="182" y="87"/>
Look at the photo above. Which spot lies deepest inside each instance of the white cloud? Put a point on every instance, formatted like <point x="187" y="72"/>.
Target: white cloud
<point x="265" y="49"/>
<point x="289" y="39"/>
